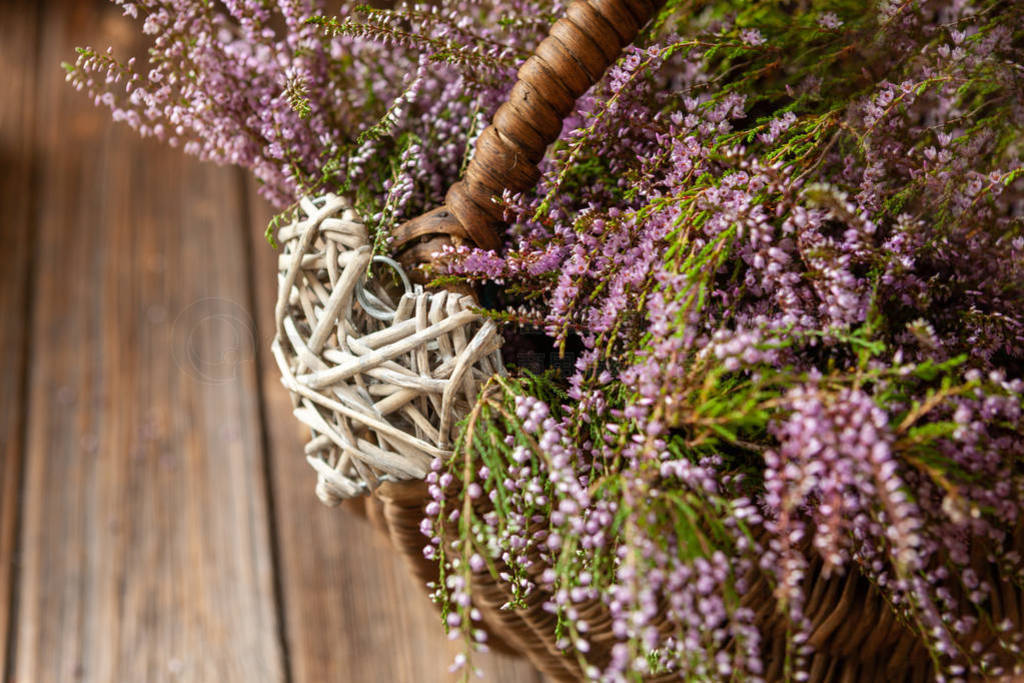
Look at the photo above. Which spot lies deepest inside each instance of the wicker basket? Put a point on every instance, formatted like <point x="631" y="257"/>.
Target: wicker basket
<point x="855" y="634"/>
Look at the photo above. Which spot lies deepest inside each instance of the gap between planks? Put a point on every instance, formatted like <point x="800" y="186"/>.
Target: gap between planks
<point x="20" y="34"/>
<point x="247" y="228"/>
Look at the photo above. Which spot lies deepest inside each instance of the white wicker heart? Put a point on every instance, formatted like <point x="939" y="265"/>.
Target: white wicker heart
<point x="380" y="384"/>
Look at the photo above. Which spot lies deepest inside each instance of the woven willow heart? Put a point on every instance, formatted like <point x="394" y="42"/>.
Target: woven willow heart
<point x="381" y="385"/>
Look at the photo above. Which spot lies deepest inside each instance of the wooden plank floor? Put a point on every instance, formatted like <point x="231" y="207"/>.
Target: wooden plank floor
<point x="157" y="519"/>
<point x="18" y="23"/>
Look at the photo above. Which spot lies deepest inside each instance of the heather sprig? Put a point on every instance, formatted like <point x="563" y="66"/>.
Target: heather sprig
<point x="308" y="101"/>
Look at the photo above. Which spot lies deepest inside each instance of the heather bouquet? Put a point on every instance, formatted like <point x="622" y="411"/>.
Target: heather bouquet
<point x="785" y="242"/>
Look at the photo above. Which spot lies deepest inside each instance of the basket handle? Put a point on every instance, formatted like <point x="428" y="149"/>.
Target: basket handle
<point x="574" y="56"/>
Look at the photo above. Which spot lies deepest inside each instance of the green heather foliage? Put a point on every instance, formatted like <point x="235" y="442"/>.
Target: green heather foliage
<point x="787" y="240"/>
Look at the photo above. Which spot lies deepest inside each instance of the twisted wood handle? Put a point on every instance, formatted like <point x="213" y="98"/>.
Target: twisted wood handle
<point x="575" y="54"/>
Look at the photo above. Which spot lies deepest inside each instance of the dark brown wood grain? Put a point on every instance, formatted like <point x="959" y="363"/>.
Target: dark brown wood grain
<point x="145" y="552"/>
<point x="17" y="114"/>
<point x="352" y="611"/>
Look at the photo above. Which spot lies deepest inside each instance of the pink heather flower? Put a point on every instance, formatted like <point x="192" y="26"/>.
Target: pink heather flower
<point x="752" y="37"/>
<point x="829" y="20"/>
